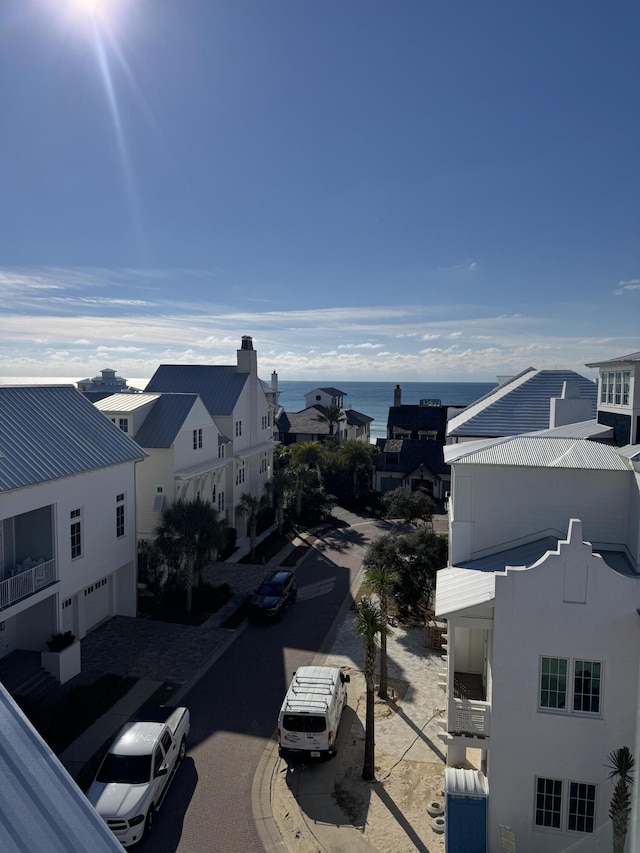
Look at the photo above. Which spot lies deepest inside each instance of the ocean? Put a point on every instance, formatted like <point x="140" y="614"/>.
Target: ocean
<point x="370" y="398"/>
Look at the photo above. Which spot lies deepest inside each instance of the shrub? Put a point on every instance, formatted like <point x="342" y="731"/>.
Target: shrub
<point x="60" y="641"/>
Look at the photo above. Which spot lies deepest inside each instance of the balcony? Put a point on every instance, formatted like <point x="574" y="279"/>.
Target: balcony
<point x="27" y="582"/>
<point x="469" y="717"/>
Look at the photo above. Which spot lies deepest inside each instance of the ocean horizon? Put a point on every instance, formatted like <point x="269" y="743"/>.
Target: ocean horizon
<point x="369" y="398"/>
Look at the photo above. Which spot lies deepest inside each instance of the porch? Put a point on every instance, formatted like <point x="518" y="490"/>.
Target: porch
<point x="23" y="583"/>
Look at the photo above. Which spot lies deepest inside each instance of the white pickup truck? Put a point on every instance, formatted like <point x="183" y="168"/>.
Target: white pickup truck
<point x="136" y="772"/>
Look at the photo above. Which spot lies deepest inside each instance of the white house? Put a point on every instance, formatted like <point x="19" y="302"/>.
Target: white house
<point x="187" y="456"/>
<point x="619" y="396"/>
<point x="309" y="425"/>
<point x="541" y="598"/>
<point x="242" y="413"/>
<point x="67" y="516"/>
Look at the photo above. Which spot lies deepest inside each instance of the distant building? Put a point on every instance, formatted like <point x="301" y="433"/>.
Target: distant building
<point x="101" y="386"/>
<point x="411" y="456"/>
<point x="308" y="424"/>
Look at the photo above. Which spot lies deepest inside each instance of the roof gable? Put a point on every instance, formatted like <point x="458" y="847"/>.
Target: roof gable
<point x="520" y="405"/>
<point x="163" y="423"/>
<point x="50" y="432"/>
<point x="219" y="386"/>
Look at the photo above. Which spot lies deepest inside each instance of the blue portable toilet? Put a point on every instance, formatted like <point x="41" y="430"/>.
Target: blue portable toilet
<point x="465" y="810"/>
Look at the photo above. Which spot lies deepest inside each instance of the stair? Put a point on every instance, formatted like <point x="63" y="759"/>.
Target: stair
<point x="22" y="675"/>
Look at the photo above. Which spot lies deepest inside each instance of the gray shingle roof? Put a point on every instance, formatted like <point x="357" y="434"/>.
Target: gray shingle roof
<point x="520" y="405"/>
<point x="52" y="431"/>
<point x="219" y="386"/>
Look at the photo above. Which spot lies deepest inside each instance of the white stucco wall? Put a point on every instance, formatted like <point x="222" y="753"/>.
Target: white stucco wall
<point x="533" y="618"/>
<point x="496" y="506"/>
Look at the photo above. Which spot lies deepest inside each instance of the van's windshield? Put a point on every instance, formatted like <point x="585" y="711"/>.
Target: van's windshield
<point x="303" y="723"/>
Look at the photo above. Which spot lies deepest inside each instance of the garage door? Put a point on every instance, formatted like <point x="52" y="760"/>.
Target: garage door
<point x="96" y="603"/>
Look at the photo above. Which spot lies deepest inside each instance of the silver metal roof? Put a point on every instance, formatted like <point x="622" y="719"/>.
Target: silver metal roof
<point x="621" y="359"/>
<point x="123" y="402"/>
<point x="48" y="432"/>
<point x="584" y="429"/>
<point x="520" y="405"/>
<point x="458" y="590"/>
<point x="219" y="386"/>
<point x="42" y="808"/>
<point x="465" y="782"/>
<point x="541" y="452"/>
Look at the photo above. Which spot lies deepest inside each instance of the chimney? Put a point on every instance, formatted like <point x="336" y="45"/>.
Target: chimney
<point x="569" y="407"/>
<point x="247" y="356"/>
<point x="397" y="396"/>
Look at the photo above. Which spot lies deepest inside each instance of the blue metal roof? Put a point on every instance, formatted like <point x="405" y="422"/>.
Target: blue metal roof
<point x="219" y="386"/>
<point x="520" y="405"/>
<point x="42" y="807"/>
<point x="162" y="424"/>
<point x="48" y="432"/>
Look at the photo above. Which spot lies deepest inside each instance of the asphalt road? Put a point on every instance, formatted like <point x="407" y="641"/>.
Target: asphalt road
<point x="234" y="707"/>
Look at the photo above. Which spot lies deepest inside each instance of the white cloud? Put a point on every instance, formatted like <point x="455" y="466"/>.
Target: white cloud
<point x="627" y="286"/>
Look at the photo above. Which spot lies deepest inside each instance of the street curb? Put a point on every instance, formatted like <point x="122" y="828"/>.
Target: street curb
<point x="262" y="812"/>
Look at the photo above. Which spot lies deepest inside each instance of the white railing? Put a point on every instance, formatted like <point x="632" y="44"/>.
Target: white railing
<point x="26" y="583"/>
<point x="470" y="717"/>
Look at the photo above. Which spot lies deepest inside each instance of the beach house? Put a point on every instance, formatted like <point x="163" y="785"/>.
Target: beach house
<point x="541" y="597"/>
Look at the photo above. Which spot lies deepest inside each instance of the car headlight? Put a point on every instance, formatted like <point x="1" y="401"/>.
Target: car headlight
<point x="136" y="820"/>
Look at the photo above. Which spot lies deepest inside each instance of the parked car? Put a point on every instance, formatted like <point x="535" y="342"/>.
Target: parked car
<point x="311" y="711"/>
<point x="136" y="772"/>
<point x="277" y="591"/>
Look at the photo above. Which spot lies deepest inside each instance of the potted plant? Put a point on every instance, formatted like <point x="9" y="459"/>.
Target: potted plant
<point x="62" y="660"/>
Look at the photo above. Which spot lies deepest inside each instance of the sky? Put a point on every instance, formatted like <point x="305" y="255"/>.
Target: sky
<point x="413" y="190"/>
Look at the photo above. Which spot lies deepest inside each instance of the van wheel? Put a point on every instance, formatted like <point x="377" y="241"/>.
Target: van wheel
<point x="335" y="747"/>
<point x="183" y="750"/>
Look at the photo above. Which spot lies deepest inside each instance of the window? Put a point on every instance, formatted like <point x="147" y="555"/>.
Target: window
<point x="76" y="533"/>
<point x="213" y="495"/>
<point x="238" y="428"/>
<point x="548" y="802"/>
<point x="197" y="438"/>
<point x="220" y="501"/>
<point x="123" y="423"/>
<point x="120" y="511"/>
<point x="553" y="683"/>
<point x="240" y="473"/>
<point x="580" y="808"/>
<point x="158" y="500"/>
<point x="610" y="388"/>
<point x="626" y="381"/>
<point x="221" y="451"/>
<point x="584" y="689"/>
<point x="586" y="686"/>
<point x="617" y="396"/>
<point x="264" y="462"/>
<point x="603" y="387"/>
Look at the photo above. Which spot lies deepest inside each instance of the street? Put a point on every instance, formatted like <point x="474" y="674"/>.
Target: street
<point x="234" y="707"/>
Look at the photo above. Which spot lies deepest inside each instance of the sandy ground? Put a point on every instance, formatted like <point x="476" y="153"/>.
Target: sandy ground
<point x="390" y="813"/>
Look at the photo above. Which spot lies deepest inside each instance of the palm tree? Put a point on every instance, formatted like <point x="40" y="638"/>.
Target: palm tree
<point x="250" y="505"/>
<point x="330" y="415"/>
<point x="382" y="579"/>
<point x="189" y="531"/>
<point x="276" y="489"/>
<point x="305" y="460"/>
<point x="358" y="458"/>
<point x="621" y="765"/>
<point x="368" y="626"/>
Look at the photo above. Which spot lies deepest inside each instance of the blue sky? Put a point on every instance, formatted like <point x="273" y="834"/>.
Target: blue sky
<point x="411" y="190"/>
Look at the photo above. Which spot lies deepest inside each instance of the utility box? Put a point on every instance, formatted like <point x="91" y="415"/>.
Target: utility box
<point x="466" y="793"/>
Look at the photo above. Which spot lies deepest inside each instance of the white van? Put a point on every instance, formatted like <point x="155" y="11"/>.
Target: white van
<point x="310" y="714"/>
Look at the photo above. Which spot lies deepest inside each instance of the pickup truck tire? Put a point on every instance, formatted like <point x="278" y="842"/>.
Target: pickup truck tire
<point x="148" y="824"/>
<point x="182" y="751"/>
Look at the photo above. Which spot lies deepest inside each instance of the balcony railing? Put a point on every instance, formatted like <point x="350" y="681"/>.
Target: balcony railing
<point x="470" y="717"/>
<point x="26" y="583"/>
